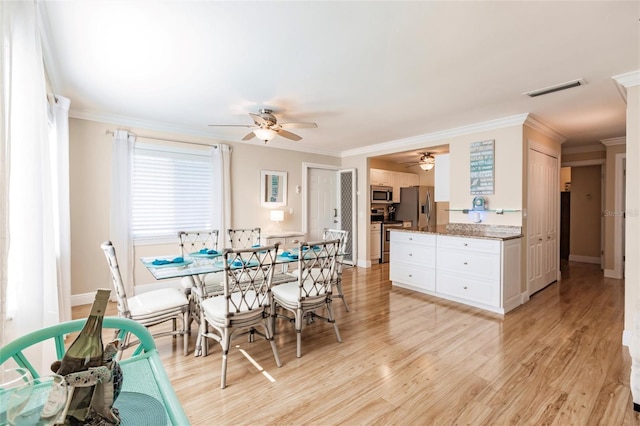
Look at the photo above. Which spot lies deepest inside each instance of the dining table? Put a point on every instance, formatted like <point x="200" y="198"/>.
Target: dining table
<point x="199" y="264"/>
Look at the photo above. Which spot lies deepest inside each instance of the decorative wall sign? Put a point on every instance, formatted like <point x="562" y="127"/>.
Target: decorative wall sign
<point x="481" y="163"/>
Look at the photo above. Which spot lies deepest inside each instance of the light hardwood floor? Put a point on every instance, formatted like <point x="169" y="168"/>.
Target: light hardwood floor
<point x="412" y="359"/>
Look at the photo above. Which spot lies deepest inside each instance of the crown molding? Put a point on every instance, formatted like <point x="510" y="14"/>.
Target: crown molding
<point x="184" y="130"/>
<point x="629" y="79"/>
<point x="538" y="125"/>
<point x="582" y="149"/>
<point x="419" y="141"/>
<point x="622" y="140"/>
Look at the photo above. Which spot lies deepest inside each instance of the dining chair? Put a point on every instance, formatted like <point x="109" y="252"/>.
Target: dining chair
<point x="194" y="242"/>
<point x="152" y="307"/>
<point x="245" y="303"/>
<point x="343" y="236"/>
<point x="243" y="237"/>
<point x="312" y="290"/>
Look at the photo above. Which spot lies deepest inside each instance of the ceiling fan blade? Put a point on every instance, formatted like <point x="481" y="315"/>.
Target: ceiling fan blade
<point x="289" y="135"/>
<point x="298" y="125"/>
<point x="231" y="125"/>
<point x="258" y="119"/>
<point x="249" y="136"/>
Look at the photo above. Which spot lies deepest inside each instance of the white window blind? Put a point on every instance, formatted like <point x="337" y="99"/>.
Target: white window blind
<point x="172" y="191"/>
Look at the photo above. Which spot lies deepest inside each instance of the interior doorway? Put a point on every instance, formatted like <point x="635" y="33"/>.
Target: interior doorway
<point x="329" y="201"/>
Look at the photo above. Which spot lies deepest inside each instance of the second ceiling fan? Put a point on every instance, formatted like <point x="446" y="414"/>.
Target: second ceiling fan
<point x="266" y="127"/>
<point x="426" y="161"/>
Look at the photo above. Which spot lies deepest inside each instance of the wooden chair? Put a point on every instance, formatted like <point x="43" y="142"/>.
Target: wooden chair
<point x="312" y="290"/>
<point x="246" y="301"/>
<point x="243" y="237"/>
<point x="152" y="307"/>
<point x="143" y="372"/>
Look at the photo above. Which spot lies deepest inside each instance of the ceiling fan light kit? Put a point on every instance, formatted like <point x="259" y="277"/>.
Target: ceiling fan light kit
<point x="427" y="162"/>
<point x="265" y="134"/>
<point x="266" y="127"/>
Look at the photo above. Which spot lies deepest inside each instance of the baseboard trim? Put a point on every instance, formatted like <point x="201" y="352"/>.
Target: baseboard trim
<point x="612" y="273"/>
<point x="584" y="259"/>
<point x="626" y="338"/>
<point x="364" y="263"/>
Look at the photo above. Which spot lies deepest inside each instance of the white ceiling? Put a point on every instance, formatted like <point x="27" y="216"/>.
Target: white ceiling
<point x="367" y="73"/>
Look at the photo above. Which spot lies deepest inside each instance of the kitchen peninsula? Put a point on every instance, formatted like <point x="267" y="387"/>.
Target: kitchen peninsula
<point x="478" y="265"/>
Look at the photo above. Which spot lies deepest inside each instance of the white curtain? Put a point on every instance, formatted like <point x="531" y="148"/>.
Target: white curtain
<point x="30" y="192"/>
<point x="221" y="188"/>
<point x="120" y="216"/>
<point x="63" y="228"/>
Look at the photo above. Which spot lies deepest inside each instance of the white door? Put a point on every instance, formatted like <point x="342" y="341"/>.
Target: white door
<point x="322" y="209"/>
<point x="542" y="224"/>
<point x="330" y="196"/>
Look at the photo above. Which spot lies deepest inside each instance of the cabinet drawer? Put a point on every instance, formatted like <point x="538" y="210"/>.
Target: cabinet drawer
<point x="376" y="227"/>
<point x="420" y="255"/>
<point x="416" y="276"/>
<point x="482" y="265"/>
<point x="285" y="241"/>
<point x="470" y="244"/>
<point x="477" y="290"/>
<point x="413" y="238"/>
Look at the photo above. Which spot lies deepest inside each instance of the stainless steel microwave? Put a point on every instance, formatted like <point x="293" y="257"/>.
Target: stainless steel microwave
<point x="381" y="194"/>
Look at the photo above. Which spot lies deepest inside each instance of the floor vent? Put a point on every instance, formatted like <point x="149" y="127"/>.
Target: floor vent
<point x="556" y="88"/>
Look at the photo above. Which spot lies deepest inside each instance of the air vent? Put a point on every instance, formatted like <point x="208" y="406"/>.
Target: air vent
<point x="555" y="88"/>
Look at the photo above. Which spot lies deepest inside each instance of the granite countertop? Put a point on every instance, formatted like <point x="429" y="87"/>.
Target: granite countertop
<point x="472" y="230"/>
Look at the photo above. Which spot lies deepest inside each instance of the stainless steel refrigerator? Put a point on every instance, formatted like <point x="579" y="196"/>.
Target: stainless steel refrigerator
<point x="417" y="205"/>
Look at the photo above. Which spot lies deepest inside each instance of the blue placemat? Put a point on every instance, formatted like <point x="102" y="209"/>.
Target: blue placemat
<point x="170" y="264"/>
<point x="210" y="254"/>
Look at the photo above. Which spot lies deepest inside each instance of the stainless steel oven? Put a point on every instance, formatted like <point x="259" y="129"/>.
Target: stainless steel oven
<point x="386" y="239"/>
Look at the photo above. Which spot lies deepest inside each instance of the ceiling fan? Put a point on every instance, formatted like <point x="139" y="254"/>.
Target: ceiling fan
<point x="426" y="161"/>
<point x="266" y="127"/>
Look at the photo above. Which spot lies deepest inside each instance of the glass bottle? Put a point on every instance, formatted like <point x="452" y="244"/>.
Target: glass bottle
<point x="85" y="352"/>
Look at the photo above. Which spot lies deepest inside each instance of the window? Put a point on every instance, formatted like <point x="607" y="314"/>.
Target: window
<point x="171" y="192"/>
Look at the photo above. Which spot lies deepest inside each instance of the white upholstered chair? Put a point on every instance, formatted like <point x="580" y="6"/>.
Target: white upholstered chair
<point x="246" y="301"/>
<point x="152" y="307"/>
<point x="312" y="289"/>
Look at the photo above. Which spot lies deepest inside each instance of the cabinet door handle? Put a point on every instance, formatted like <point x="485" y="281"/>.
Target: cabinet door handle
<point x="410" y="276"/>
<point x="465" y="263"/>
<point x="465" y="287"/>
<point x="410" y="254"/>
<point x="465" y="244"/>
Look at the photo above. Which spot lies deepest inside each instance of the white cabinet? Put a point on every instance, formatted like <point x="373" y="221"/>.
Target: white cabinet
<point x="478" y="272"/>
<point x="381" y="177"/>
<point x="396" y="180"/>
<point x="286" y="239"/>
<point x="403" y="180"/>
<point x="442" y="178"/>
<point x="375" y="242"/>
<point x="412" y="261"/>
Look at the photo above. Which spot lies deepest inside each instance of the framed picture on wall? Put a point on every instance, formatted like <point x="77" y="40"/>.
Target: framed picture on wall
<point x="481" y="161"/>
